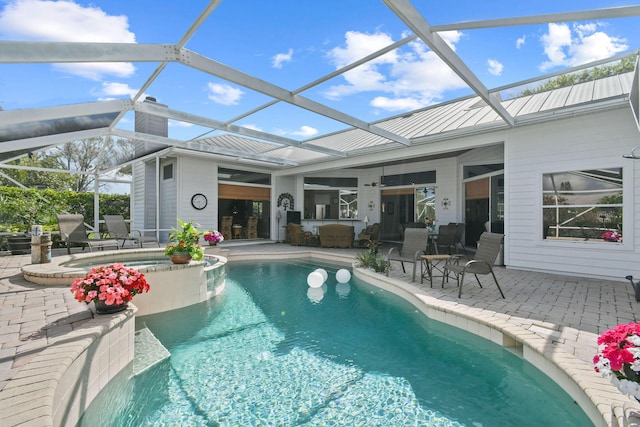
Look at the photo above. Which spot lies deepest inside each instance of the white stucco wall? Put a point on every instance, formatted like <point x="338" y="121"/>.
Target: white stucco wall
<point x="584" y="142"/>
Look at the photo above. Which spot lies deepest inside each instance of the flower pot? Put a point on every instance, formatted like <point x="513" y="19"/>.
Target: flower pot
<point x="103" y="308"/>
<point x="213" y="243"/>
<point x="180" y="258"/>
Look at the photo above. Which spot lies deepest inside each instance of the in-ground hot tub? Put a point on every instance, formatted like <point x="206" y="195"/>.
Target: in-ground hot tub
<point x="172" y="285"/>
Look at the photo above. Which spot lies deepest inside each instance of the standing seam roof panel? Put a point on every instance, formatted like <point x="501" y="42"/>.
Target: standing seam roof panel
<point x="580" y="93"/>
<point x="556" y="99"/>
<point x="604" y="88"/>
<point x="439" y="115"/>
<point x="534" y="103"/>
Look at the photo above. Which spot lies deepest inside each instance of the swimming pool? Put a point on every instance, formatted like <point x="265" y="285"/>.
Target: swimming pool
<point x="270" y="352"/>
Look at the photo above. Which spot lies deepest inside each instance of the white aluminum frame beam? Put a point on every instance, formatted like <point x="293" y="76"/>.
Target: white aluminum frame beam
<point x="238" y="130"/>
<point x="612" y="12"/>
<point x="14" y="117"/>
<point x="51" y="140"/>
<point x="199" y="147"/>
<point x="419" y="25"/>
<point x="60" y="52"/>
<point x="207" y="65"/>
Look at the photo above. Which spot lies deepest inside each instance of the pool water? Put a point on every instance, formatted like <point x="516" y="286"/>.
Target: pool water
<point x="274" y="352"/>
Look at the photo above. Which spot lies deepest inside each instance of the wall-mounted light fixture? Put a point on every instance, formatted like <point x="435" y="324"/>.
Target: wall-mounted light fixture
<point x="633" y="155"/>
<point x="371" y="205"/>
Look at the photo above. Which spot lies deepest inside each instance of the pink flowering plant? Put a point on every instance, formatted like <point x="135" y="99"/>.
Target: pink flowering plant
<point x="619" y="357"/>
<point x="115" y="284"/>
<point x="213" y="236"/>
<point x="611" y="236"/>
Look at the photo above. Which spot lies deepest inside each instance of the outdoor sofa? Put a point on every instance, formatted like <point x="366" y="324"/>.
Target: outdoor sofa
<point x="336" y="235"/>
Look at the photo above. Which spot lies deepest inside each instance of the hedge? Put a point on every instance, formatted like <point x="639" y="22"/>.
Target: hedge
<point x="20" y="208"/>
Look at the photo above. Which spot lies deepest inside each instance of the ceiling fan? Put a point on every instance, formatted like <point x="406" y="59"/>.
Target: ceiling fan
<point x="376" y="183"/>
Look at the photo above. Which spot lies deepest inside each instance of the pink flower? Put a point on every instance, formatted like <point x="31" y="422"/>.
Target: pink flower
<point x="619" y="357"/>
<point x="113" y="284"/>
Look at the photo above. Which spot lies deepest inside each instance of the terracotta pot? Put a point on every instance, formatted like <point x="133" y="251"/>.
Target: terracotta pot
<point x="103" y="308"/>
<point x="181" y="258"/>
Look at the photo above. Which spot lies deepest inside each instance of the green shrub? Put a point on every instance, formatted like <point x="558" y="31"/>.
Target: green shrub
<point x="372" y="260"/>
<point x="20" y="208"/>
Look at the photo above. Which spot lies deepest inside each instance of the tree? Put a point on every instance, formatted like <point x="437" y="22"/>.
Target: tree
<point x="93" y="154"/>
<point x="37" y="179"/>
<point x="622" y="66"/>
<point x="87" y="155"/>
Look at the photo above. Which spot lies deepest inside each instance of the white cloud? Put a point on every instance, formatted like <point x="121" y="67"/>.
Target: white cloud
<point x="179" y="124"/>
<point x="521" y="41"/>
<point x="305" y="131"/>
<point x="45" y="20"/>
<point x="412" y="76"/>
<point x="113" y="89"/>
<point x="281" y="58"/>
<point x="224" y="94"/>
<point x="585" y="43"/>
<point x="250" y="126"/>
<point x="495" y="67"/>
<point x="396" y="104"/>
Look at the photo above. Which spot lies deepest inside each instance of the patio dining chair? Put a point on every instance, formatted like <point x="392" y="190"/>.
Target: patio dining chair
<point x="445" y="241"/>
<point x="414" y="245"/>
<point x="117" y="229"/>
<point x="73" y="231"/>
<point x="482" y="263"/>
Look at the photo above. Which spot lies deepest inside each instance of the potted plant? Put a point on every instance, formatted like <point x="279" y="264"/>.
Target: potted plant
<point x="213" y="237"/>
<point x="619" y="357"/>
<point x="611" y="236"/>
<point x="184" y="244"/>
<point x="109" y="287"/>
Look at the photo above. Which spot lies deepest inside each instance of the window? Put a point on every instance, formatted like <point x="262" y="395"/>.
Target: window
<point x="330" y="198"/>
<point x="583" y="205"/>
<point x="246" y="177"/>
<point x="425" y="205"/>
<point x="167" y="171"/>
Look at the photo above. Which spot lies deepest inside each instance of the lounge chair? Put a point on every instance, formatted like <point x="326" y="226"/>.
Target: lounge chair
<point x="414" y="245"/>
<point x="117" y="229"/>
<point x="73" y="231"/>
<point x="482" y="262"/>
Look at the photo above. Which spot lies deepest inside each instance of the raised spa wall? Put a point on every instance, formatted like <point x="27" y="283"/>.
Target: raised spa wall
<point x="75" y="368"/>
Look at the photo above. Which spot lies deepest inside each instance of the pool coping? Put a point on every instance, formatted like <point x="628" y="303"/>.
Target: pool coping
<point x="56" y="273"/>
<point x="29" y="401"/>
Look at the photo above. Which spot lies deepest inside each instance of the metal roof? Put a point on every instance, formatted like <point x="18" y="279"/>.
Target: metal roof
<point x="27" y="130"/>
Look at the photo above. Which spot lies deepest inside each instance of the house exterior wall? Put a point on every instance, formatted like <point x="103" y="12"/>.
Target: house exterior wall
<point x="591" y="141"/>
<point x="143" y="196"/>
<point x="168" y="198"/>
<point x="586" y="141"/>
<point x="198" y="175"/>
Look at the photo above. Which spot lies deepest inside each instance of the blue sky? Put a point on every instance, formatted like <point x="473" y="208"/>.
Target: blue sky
<point x="290" y="43"/>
